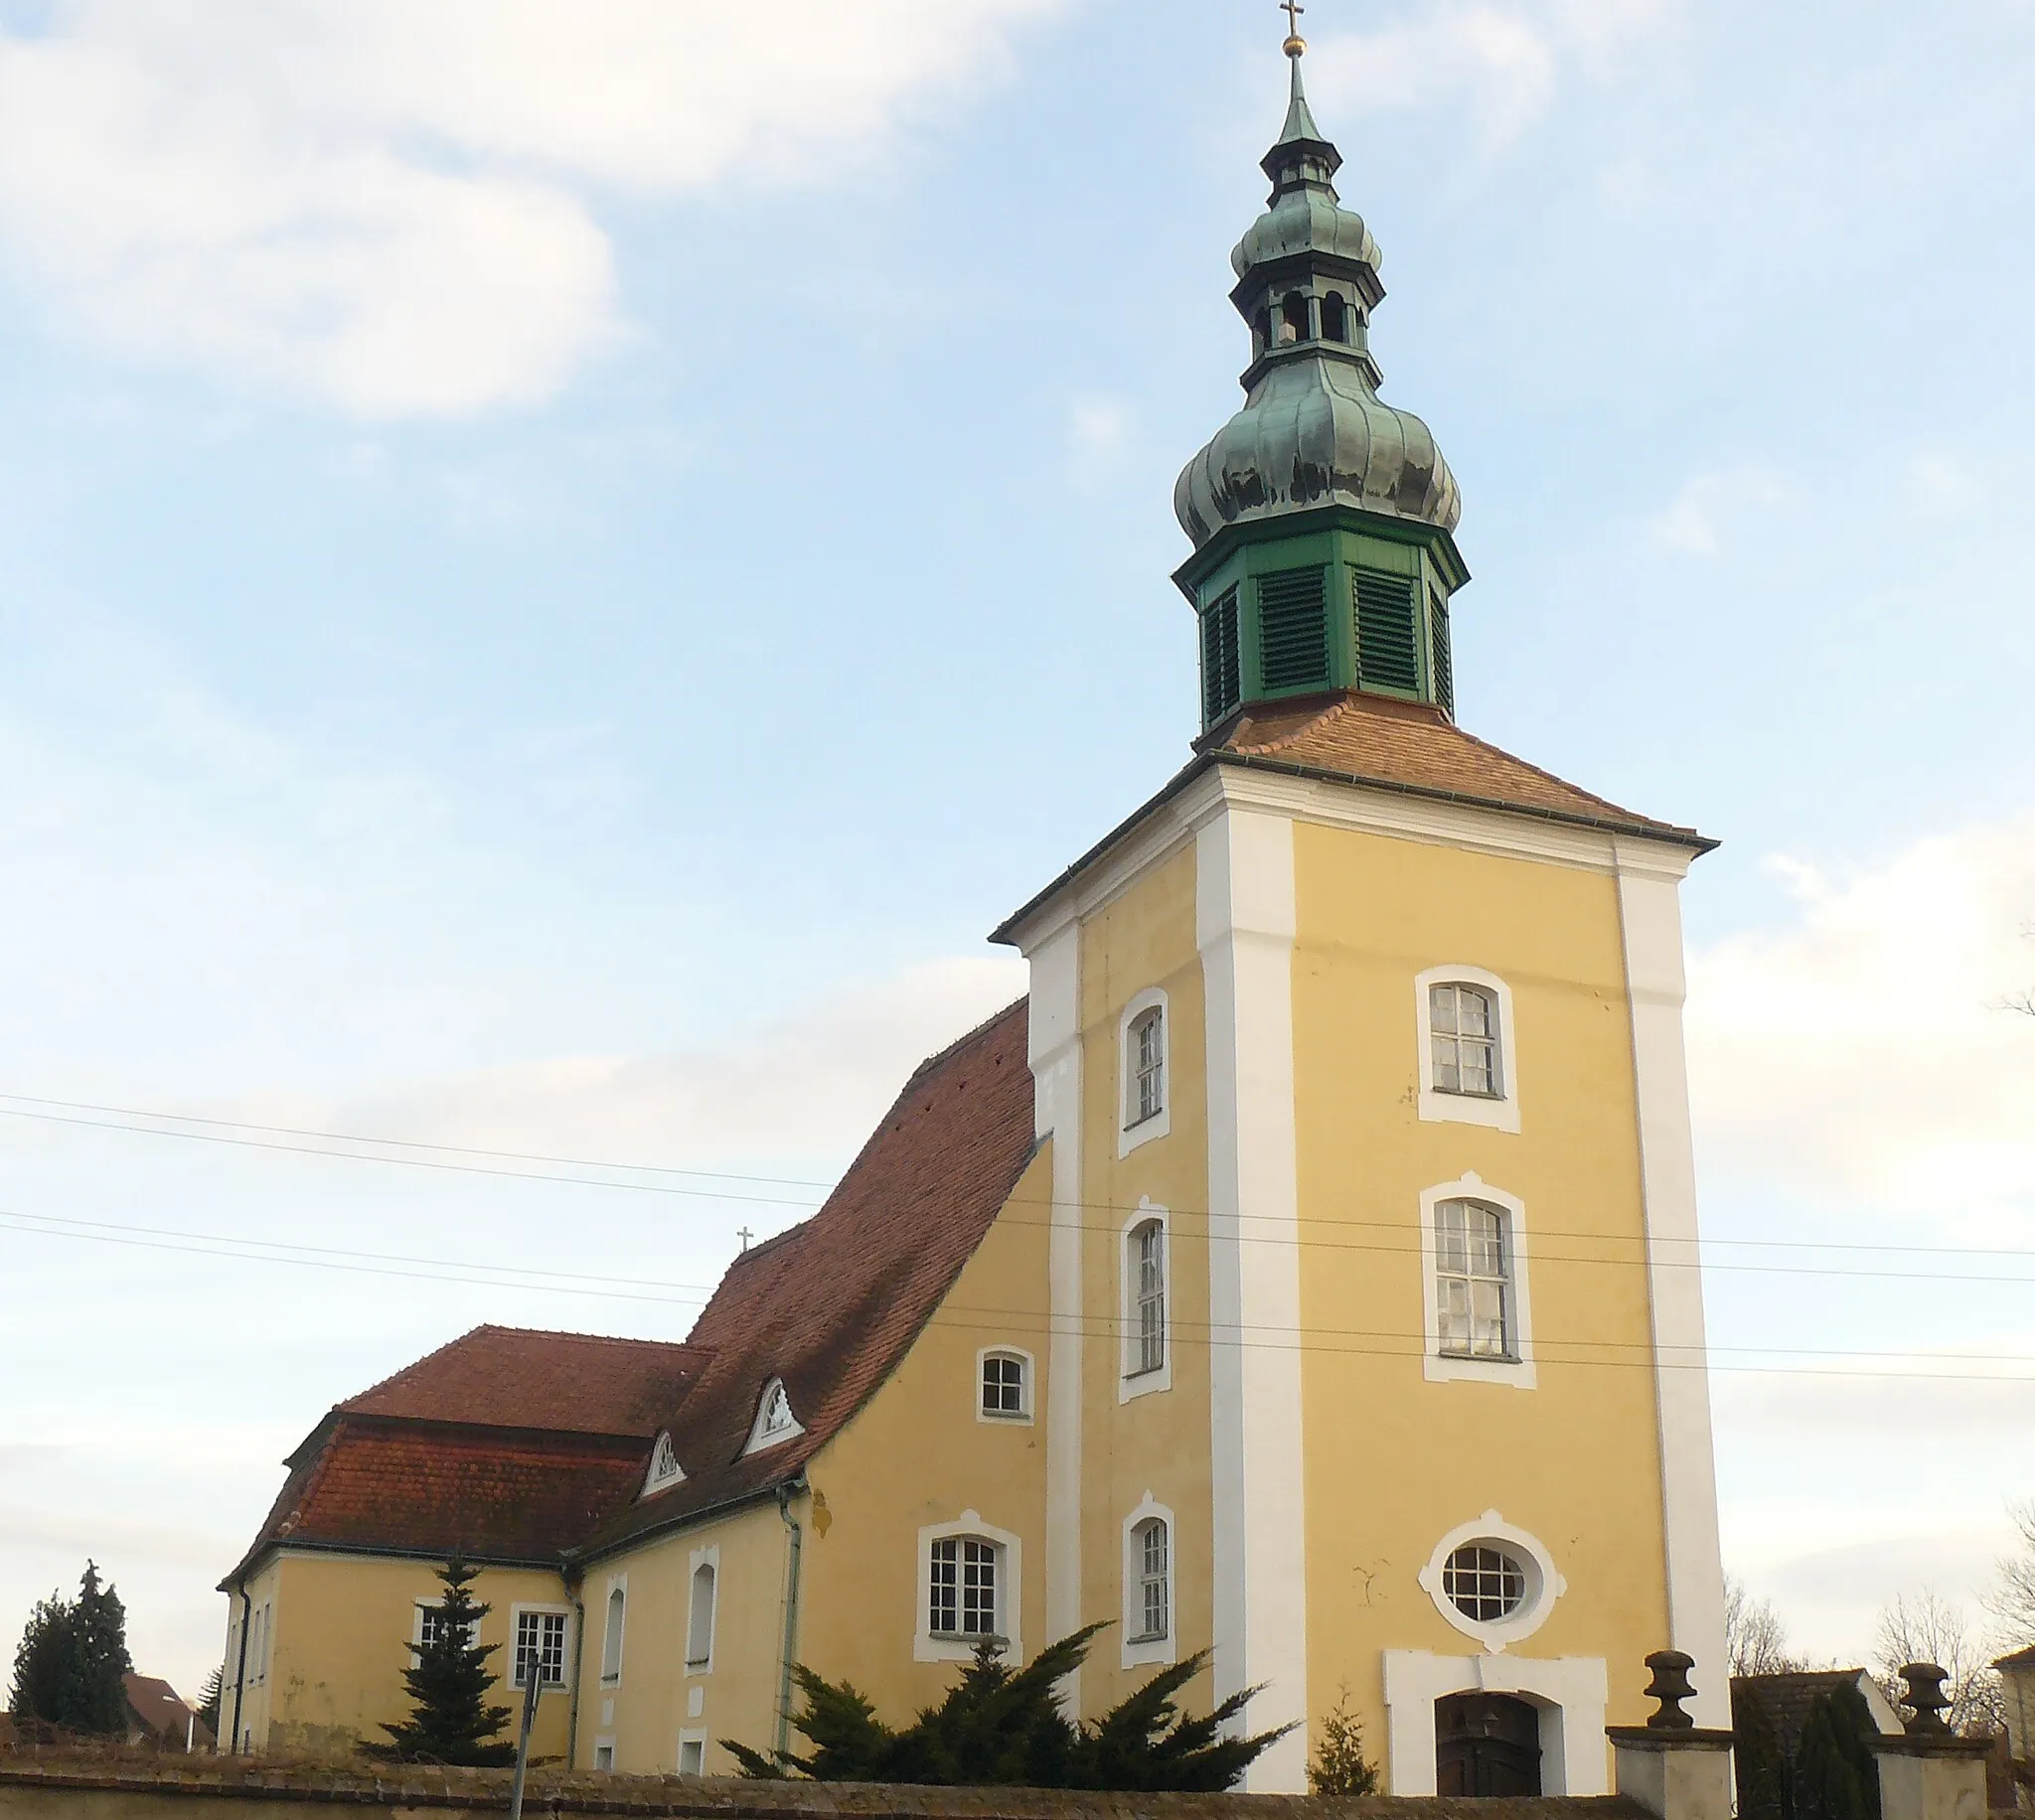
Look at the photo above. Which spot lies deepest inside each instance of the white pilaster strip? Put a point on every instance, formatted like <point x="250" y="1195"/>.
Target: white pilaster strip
<point x="1056" y="1056"/>
<point x="1246" y="918"/>
<point x="1650" y="907"/>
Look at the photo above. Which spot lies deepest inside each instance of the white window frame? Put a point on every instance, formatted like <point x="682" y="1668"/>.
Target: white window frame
<point x="1131" y="1380"/>
<point x="926" y="1647"/>
<point x="664" y="1472"/>
<point x="416" y="1628"/>
<point x="1439" y="1367"/>
<point x="1130" y="1135"/>
<point x="709" y="1558"/>
<point x="1028" y="1378"/>
<point x="693" y="1739"/>
<point x="604" y="1748"/>
<point x="761" y="1435"/>
<point x="1544" y="1584"/>
<point x="536" y="1609"/>
<point x="1499" y="1112"/>
<point x="1154" y="1651"/>
<point x="618" y="1583"/>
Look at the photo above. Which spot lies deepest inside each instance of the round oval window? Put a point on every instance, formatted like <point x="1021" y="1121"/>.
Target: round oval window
<point x="1484" y="1581"/>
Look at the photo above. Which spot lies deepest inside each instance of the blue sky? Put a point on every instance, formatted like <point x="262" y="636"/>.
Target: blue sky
<point x="560" y="566"/>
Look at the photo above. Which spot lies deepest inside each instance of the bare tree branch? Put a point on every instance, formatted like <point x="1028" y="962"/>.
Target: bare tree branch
<point x="1754" y="1634"/>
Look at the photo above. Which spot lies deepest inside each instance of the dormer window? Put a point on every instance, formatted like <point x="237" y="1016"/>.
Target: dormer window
<point x="665" y="1471"/>
<point x="774" y="1422"/>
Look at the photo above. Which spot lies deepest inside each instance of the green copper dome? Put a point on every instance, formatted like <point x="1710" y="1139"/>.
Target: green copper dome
<point x="1322" y="518"/>
<point x="1313" y="430"/>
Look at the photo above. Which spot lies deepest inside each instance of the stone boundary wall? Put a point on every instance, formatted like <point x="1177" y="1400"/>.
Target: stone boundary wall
<point x="81" y="1785"/>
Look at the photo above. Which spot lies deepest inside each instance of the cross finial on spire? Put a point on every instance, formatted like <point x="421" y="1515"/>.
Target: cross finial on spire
<point x="1295" y="43"/>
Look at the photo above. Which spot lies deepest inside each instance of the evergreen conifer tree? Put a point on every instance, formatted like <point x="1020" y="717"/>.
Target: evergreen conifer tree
<point x="1835" y="1777"/>
<point x="70" y="1663"/>
<point x="1001" y="1726"/>
<point x="1339" y="1765"/>
<point x="213" y="1700"/>
<point x="39" y="1660"/>
<point x="452" y="1722"/>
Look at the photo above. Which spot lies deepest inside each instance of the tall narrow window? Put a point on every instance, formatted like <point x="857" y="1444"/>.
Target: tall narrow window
<point x="1293" y="319"/>
<point x="1147" y="1067"/>
<point x="1148" y="1257"/>
<point x="1334" y="318"/>
<point x="1463" y="1025"/>
<point x="699" y="1621"/>
<point x="611" y="1641"/>
<point x="539" y="1644"/>
<point x="963" y="1599"/>
<point x="1473" y="1282"/>
<point x="1152" y="1608"/>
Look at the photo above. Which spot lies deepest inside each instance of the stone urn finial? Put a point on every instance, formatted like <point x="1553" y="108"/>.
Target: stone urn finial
<point x="1927" y="1698"/>
<point x="1670" y="1686"/>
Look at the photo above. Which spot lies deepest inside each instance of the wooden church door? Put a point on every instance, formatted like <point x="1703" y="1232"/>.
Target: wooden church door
<point x="1486" y="1744"/>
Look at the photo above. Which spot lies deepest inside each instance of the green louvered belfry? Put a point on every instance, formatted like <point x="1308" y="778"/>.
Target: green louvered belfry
<point x="1322" y="600"/>
<point x="1322" y="518"/>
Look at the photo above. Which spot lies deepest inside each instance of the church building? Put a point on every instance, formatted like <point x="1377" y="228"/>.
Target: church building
<point x="1303" y="1271"/>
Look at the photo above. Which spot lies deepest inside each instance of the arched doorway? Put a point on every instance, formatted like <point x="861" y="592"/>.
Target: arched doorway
<point x="1486" y="1744"/>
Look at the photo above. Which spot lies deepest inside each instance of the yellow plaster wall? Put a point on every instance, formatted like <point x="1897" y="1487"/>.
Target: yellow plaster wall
<point x="344" y="1624"/>
<point x="1157" y="1442"/>
<point x="646" y="1708"/>
<point x="917" y="1454"/>
<point x="1395" y="1461"/>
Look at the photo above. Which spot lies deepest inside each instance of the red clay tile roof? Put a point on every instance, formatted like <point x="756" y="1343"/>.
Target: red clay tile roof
<point x="1409" y="745"/>
<point x="434" y="1488"/>
<point x="514" y="1376"/>
<point x="157" y="1705"/>
<point x="832" y="1306"/>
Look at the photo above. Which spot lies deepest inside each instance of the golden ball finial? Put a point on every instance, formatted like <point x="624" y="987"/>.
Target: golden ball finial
<point x="1295" y="46"/>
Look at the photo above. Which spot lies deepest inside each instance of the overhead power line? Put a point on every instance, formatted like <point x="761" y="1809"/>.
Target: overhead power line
<point x="1000" y="1321"/>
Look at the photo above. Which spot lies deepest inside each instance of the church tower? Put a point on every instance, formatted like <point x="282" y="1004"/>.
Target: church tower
<point x="1376" y="1356"/>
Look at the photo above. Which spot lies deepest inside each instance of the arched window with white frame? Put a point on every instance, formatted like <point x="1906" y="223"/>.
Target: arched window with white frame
<point x="612" y="1636"/>
<point x="1475" y="1292"/>
<point x="699" y="1611"/>
<point x="1144" y="1071"/>
<point x="1468" y="1047"/>
<point x="1150" y="1576"/>
<point x="1147" y="1271"/>
<point x="1003" y="1384"/>
<point x="970" y="1591"/>
<point x="775" y="1423"/>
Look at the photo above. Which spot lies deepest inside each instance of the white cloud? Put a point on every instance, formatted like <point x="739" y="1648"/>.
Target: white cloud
<point x="384" y="204"/>
<point x="1861" y="1051"/>
<point x="1699" y="518"/>
<point x="1504" y="62"/>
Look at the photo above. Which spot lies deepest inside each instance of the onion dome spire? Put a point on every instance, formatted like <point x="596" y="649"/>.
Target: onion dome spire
<point x="1322" y="518"/>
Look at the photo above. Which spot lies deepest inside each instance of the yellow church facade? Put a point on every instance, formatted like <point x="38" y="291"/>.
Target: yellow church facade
<point x="1304" y="1272"/>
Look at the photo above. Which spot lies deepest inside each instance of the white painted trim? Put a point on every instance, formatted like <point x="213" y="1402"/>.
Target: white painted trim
<point x="537" y="1608"/>
<point x="1131" y="1381"/>
<point x="690" y="1736"/>
<point x="1027" y="1390"/>
<point x="606" y="1743"/>
<point x="1053" y="1050"/>
<point x="665" y="1471"/>
<point x="706" y="1557"/>
<point x="759" y="1437"/>
<point x="1500" y="1113"/>
<point x="1544" y="1584"/>
<point x="1245" y="923"/>
<point x="1152" y="1651"/>
<point x="1649" y="910"/>
<point x="1570" y="1691"/>
<point x="1146" y="840"/>
<point x="617" y="1583"/>
<point x="926" y="1647"/>
<point x="1131" y="1136"/>
<point x="258" y="1667"/>
<point x="1439" y="1368"/>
